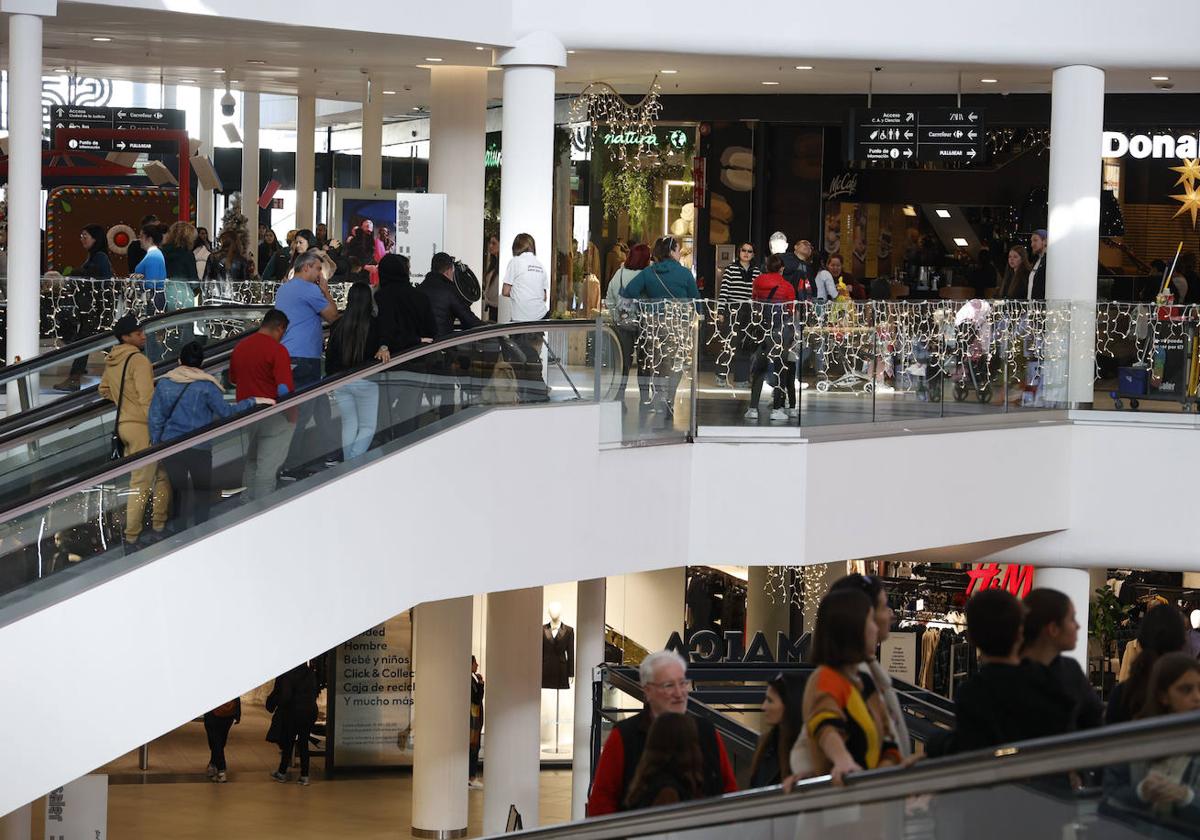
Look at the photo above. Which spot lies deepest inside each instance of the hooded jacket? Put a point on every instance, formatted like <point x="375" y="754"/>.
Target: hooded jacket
<point x="139" y="382"/>
<point x="405" y="315"/>
<point x="447" y="305"/>
<point x="187" y="399"/>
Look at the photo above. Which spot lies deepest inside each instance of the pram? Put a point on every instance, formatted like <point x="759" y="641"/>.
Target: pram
<point x="924" y="376"/>
<point x="972" y="342"/>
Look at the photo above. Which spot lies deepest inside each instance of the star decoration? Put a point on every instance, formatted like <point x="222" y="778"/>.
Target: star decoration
<point x="1189" y="173"/>
<point x="1190" y="202"/>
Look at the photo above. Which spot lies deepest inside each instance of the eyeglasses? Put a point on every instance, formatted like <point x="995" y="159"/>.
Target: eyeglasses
<point x="682" y="685"/>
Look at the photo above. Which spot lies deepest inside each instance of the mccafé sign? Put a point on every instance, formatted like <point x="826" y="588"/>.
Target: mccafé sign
<point x="1142" y="146"/>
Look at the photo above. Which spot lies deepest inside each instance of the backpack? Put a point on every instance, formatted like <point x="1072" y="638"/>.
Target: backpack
<point x="466" y="282"/>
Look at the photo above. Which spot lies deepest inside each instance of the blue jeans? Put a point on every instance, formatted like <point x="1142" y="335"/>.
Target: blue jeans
<point x="307" y="372"/>
<point x="358" y="404"/>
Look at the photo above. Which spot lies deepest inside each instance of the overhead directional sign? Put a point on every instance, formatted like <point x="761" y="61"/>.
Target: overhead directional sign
<point x="120" y="119"/>
<point x="946" y="134"/>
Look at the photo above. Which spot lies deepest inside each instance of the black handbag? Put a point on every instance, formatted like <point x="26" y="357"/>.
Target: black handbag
<point x="117" y="448"/>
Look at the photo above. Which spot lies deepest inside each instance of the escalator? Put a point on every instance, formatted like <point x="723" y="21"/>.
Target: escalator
<point x="131" y="634"/>
<point x="1084" y="785"/>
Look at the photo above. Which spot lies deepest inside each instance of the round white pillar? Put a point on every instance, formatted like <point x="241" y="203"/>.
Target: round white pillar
<point x="250" y="188"/>
<point x="204" y="198"/>
<point x="527" y="132"/>
<point x="371" y="162"/>
<point x="442" y="708"/>
<point x="24" y="187"/>
<point x="18" y="824"/>
<point x="589" y="654"/>
<point x="1076" y="585"/>
<point x="512" y="708"/>
<point x="457" y="135"/>
<point x="1076" y="129"/>
<point x="306" y="159"/>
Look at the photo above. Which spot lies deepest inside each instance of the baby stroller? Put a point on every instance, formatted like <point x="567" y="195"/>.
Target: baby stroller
<point x="924" y="375"/>
<point x="972" y="341"/>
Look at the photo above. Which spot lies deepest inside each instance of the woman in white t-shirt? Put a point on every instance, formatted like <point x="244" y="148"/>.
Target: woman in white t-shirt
<point x="526" y="283"/>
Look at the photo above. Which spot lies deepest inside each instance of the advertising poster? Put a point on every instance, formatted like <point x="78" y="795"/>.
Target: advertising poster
<point x="371" y="697"/>
<point x="78" y="810"/>
<point x="420" y="229"/>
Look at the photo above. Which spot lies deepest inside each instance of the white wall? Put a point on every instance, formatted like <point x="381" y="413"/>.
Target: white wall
<point x="646" y="607"/>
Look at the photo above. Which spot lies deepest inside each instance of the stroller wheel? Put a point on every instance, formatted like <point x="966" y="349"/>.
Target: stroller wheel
<point x="985" y="396"/>
<point x="868" y="387"/>
<point x="1134" y="404"/>
<point x="823" y="386"/>
<point x="960" y="392"/>
<point x="905" y="381"/>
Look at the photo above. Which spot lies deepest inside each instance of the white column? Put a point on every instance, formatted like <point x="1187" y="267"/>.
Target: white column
<point x="306" y="159"/>
<point x="371" y="162"/>
<point x="1076" y="129"/>
<point x="170" y="96"/>
<point x="17" y="825"/>
<point x="442" y="673"/>
<point x="204" y="198"/>
<point x="1076" y="585"/>
<point x="527" y="126"/>
<point x="24" y="185"/>
<point x="512" y="709"/>
<point x="457" y="134"/>
<point x="250" y="190"/>
<point x="589" y="654"/>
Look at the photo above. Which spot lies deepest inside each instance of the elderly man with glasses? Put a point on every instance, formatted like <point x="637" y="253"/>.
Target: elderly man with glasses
<point x="664" y="680"/>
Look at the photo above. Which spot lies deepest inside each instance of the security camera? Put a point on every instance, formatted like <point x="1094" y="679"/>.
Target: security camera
<point x="878" y="69"/>
<point x="1165" y="85"/>
<point x="408" y="87"/>
<point x="227" y="104"/>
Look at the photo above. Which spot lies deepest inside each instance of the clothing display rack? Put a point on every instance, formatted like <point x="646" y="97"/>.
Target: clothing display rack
<point x="715" y="601"/>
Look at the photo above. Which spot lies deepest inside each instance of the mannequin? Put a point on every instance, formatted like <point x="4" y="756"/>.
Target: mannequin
<point x="558" y="650"/>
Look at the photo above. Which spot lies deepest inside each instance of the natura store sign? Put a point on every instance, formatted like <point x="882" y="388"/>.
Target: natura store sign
<point x="1116" y="144"/>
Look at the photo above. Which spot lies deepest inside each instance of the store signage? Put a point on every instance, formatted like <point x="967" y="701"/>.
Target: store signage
<point x="1141" y="146"/>
<point x="898" y="656"/>
<point x="492" y="156"/>
<point x="844" y="185"/>
<point x="699" y="181"/>
<point x="1016" y="578"/>
<point x="372" y="685"/>
<point x="121" y="119"/>
<point x="78" y="810"/>
<point x="944" y="134"/>
<point x="707" y="646"/>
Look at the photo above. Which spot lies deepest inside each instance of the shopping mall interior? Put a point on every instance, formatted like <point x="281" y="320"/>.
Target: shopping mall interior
<point x="635" y="359"/>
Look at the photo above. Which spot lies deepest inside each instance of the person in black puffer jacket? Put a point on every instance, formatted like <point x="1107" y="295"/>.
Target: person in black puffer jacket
<point x="293" y="700"/>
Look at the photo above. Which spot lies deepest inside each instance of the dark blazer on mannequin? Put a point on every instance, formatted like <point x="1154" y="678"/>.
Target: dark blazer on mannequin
<point x="558" y="656"/>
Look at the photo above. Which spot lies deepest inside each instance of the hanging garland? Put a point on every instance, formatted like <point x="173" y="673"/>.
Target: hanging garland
<point x="601" y="105"/>
<point x="628" y="189"/>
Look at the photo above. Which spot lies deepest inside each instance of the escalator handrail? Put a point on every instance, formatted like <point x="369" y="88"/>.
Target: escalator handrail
<point x="1135" y="741"/>
<point x="101" y="340"/>
<point x="122" y="467"/>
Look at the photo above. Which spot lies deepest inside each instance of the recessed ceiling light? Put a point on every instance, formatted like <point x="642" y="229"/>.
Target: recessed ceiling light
<point x="942" y="214"/>
<point x="960" y="242"/>
<point x="389" y="93"/>
<point x="988" y="81"/>
<point x="416" y="107"/>
<point x="255" y="61"/>
<point x="803" y="66"/>
<point x="481" y="49"/>
<point x="187" y="81"/>
<point x="909" y="210"/>
<point x="668" y="72"/>
<point x="432" y="59"/>
<point x="1160" y="78"/>
<point x="218" y="71"/>
<point x="770" y="83"/>
<point x="101" y="39"/>
<point x="571" y="52"/>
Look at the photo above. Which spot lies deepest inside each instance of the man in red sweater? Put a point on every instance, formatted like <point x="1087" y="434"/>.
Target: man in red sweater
<point x="260" y="367"/>
<point x="664" y="679"/>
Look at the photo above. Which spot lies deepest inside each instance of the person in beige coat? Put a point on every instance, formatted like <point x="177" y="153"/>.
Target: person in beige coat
<point x="128" y="366"/>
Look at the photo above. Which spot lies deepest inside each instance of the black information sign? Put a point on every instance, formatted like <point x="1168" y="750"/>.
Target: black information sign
<point x="946" y="134"/>
<point x="121" y="119"/>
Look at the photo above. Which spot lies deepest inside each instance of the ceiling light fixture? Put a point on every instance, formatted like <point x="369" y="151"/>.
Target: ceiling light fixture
<point x="668" y="72"/>
<point x="770" y="83"/>
<point x="803" y="66"/>
<point x="432" y="59"/>
<point x="218" y="70"/>
<point x="481" y="49"/>
<point x="571" y="52"/>
<point x="101" y="39"/>
<point x="187" y="81"/>
<point x="988" y="81"/>
<point x="389" y="93"/>
<point x="960" y="242"/>
<point x="1160" y="78"/>
<point x="255" y="61"/>
<point x="942" y="214"/>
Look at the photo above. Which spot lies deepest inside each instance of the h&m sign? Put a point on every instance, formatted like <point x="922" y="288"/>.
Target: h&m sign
<point x="1015" y="578"/>
<point x="707" y="646"/>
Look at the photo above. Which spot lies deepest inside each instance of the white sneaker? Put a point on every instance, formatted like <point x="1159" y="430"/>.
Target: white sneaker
<point x="751" y="414"/>
<point x="793" y="413"/>
<point x="475" y="784"/>
<point x="803" y="386"/>
<point x="778" y="414"/>
<point x="211" y="772"/>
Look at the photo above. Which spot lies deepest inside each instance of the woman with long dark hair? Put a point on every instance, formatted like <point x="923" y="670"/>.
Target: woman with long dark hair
<point x="354" y="341"/>
<point x="268" y="248"/>
<point x="230" y="261"/>
<point x="1162" y="631"/>
<point x="97" y="266"/>
<point x="783" y="713"/>
<point x="1016" y="274"/>
<point x="672" y="766"/>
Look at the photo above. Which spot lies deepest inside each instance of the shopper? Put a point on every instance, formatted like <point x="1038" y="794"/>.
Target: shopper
<point x="491" y="280"/>
<point x="186" y="399"/>
<point x="448" y="305"/>
<point x="217" y="724"/>
<point x="1007" y="700"/>
<point x="778" y="334"/>
<point x="281" y="264"/>
<point x="203" y="250"/>
<point x="354" y="341"/>
<point x="307" y="302"/>
<point x="96" y="267"/>
<point x="135" y="253"/>
<point x="798" y="268"/>
<point x="128" y="381"/>
<point x="526" y="283"/>
<point x="626" y="320"/>
<point x="405" y="321"/>
<point x="182" y="280"/>
<point x="260" y="367"/>
<point x="872" y="587"/>
<point x="268" y="248"/>
<point x="1161" y="798"/>
<point x="737" y="280"/>
<point x="152" y="268"/>
<point x="664" y="680"/>
<point x="734" y="312"/>
<point x="1051" y="631"/>
<point x="671" y="768"/>
<point x="230" y="261"/>
<point x="1162" y="631"/>
<point x="846" y="722"/>
<point x="477" y="690"/>
<point x="1016" y="274"/>
<point x="293" y="702"/>
<point x="827" y="279"/>
<point x="783" y="715"/>
<point x="1037" y="275"/>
